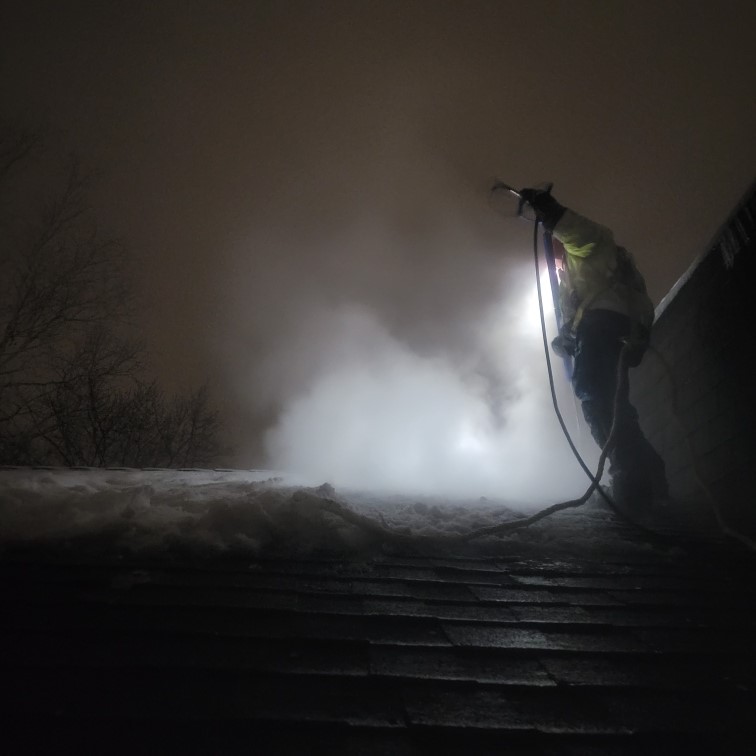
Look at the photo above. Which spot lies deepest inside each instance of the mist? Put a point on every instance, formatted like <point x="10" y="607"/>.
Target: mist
<point x="377" y="413"/>
<point x="396" y="347"/>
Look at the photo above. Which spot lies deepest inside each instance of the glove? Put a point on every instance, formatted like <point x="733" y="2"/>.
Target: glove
<point x="564" y="344"/>
<point x="548" y="211"/>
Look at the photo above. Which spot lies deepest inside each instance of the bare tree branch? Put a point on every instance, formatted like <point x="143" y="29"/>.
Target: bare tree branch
<point x="70" y="387"/>
<point x="16" y="144"/>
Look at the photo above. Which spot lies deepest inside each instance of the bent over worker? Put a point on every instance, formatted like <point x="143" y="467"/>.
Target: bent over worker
<point x="604" y="307"/>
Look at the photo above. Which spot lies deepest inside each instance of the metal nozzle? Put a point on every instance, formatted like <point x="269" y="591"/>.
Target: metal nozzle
<point x="499" y="185"/>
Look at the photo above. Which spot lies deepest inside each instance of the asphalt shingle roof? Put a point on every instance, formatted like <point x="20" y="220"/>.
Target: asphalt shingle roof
<point x="398" y="653"/>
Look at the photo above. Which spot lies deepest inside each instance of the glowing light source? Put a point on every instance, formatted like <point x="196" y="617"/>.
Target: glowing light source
<point x="470" y="442"/>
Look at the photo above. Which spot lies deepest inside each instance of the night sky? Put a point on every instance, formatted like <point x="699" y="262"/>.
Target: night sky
<point x="269" y="164"/>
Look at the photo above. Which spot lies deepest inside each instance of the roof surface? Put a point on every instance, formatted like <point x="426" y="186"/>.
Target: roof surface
<point x="534" y="650"/>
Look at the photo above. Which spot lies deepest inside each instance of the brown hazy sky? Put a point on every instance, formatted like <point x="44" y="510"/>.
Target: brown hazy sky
<point x="267" y="161"/>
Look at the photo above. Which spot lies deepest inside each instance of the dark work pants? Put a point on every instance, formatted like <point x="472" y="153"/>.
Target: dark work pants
<point x="637" y="470"/>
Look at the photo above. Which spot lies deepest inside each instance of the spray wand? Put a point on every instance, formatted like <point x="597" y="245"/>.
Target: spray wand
<point x="548" y="251"/>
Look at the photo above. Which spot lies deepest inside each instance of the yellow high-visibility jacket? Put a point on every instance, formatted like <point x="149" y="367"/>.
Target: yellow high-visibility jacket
<point x="598" y="273"/>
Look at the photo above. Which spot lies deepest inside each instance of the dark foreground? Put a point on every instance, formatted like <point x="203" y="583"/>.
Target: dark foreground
<point x="529" y="651"/>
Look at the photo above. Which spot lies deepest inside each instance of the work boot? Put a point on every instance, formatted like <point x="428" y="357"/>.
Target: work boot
<point x="631" y="493"/>
<point x="640" y="501"/>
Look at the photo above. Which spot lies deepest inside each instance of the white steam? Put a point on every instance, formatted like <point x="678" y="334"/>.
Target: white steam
<point x="378" y="415"/>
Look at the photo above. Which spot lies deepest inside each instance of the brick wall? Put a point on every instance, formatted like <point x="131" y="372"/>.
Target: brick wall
<point x="706" y="332"/>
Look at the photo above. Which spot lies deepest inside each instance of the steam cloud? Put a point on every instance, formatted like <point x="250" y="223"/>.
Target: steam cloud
<point x="384" y="335"/>
<point x="379" y="415"/>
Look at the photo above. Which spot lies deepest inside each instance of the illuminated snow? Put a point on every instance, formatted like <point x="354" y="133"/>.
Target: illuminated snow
<point x="164" y="513"/>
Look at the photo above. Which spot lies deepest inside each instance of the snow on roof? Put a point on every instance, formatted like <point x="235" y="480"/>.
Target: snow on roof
<point x="254" y="513"/>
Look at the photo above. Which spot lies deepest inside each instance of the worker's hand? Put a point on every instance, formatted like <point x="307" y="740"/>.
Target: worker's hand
<point x="547" y="210"/>
<point x="564" y="344"/>
<point x="538" y="199"/>
<point x="531" y="195"/>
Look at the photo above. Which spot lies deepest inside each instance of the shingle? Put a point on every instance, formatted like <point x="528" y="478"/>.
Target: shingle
<point x="529" y="639"/>
<point x="498" y="709"/>
<point x="527" y="595"/>
<point x="461" y="611"/>
<point x="435" y="664"/>
<point x="553" y="614"/>
<point x="695" y="673"/>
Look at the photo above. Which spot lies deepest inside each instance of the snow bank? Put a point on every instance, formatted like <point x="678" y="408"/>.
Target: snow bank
<point x="254" y="513"/>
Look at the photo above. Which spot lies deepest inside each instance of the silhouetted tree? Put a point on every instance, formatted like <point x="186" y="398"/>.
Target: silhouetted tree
<point x="100" y="413"/>
<point x="71" y="390"/>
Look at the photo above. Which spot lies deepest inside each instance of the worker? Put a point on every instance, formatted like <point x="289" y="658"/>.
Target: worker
<point x="604" y="307"/>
